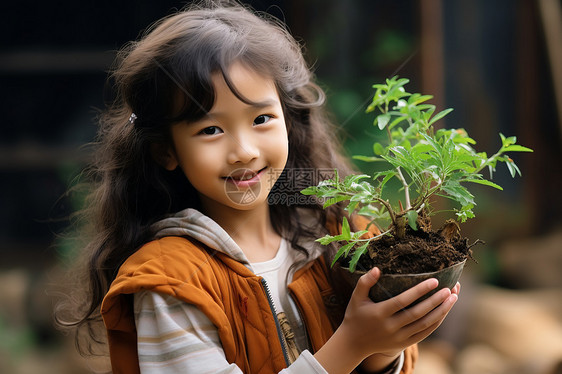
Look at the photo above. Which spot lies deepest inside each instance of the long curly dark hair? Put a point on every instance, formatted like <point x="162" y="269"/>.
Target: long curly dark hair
<point x="163" y="78"/>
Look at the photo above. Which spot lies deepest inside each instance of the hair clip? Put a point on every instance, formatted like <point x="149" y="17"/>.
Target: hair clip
<point x="132" y="118"/>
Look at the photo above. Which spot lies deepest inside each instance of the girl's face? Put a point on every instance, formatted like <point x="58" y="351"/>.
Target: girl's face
<point x="234" y="155"/>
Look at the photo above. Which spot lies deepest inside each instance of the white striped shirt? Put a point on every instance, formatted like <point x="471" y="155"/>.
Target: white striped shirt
<point x="176" y="337"/>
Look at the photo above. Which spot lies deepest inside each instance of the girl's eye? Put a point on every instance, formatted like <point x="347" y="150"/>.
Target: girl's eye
<point x="211" y="130"/>
<point x="260" y="120"/>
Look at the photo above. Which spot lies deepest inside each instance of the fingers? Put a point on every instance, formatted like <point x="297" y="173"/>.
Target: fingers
<point x="365" y="283"/>
<point x="422" y="309"/>
<point x="457" y="289"/>
<point x="418" y="337"/>
<point x="429" y="322"/>
<point x="407" y="297"/>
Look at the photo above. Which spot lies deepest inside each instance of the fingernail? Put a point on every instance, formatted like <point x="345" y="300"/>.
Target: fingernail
<point x="433" y="282"/>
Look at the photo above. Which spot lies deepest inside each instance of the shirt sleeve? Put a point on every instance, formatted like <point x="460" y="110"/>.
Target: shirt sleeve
<point x="176" y="337"/>
<point x="400" y="364"/>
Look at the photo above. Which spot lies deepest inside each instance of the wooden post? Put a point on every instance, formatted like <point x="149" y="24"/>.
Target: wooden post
<point x="432" y="51"/>
<point x="551" y="16"/>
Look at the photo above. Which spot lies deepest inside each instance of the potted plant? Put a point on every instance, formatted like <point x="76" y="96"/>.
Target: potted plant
<point x="429" y="164"/>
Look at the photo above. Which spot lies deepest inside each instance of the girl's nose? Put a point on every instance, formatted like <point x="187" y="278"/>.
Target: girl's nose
<point x="243" y="150"/>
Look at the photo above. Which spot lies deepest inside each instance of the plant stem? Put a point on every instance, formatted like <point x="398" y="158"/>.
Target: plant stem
<point x="386" y="204"/>
<point x="388" y="209"/>
<point x="374" y="237"/>
<point x="488" y="161"/>
<point x="406" y="189"/>
<point x="428" y="193"/>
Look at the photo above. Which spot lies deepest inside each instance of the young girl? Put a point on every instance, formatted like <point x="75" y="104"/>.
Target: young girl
<point x="204" y="258"/>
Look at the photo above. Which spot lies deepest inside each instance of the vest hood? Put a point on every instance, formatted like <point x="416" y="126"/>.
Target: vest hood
<point x="190" y="222"/>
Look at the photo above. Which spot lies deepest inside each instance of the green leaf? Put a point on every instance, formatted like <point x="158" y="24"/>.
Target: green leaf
<point x="327" y="191"/>
<point x="389" y="175"/>
<point x="417" y="98"/>
<point x="382" y="120"/>
<point x="491" y="170"/>
<point x="363" y="197"/>
<point x="421" y="148"/>
<point x="465" y="213"/>
<point x="458" y="193"/>
<point x="353" y="179"/>
<point x="343" y="250"/>
<point x="357" y="255"/>
<point x="358" y="234"/>
<point x="396" y="121"/>
<point x="401" y="158"/>
<point x="351" y="206"/>
<point x="484" y="182"/>
<point x="327" y="183"/>
<point x="440" y="115"/>
<point x="406" y="144"/>
<point x="373" y="212"/>
<point x="367" y="158"/>
<point x="345" y="230"/>
<point x="312" y="190"/>
<point x="516" y="148"/>
<point x="412" y="216"/>
<point x="433" y="143"/>
<point x="327" y="239"/>
<point x="378" y="149"/>
<point x="513" y="169"/>
<point x="334" y="200"/>
<point x="508" y="141"/>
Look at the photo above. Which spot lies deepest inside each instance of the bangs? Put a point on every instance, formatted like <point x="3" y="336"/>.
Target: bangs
<point x="195" y="97"/>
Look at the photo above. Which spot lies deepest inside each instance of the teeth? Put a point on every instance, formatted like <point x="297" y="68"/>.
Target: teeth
<point x="247" y="175"/>
<point x="244" y="177"/>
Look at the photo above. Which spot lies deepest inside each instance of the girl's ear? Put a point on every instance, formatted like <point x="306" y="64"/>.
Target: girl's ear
<point x="164" y="156"/>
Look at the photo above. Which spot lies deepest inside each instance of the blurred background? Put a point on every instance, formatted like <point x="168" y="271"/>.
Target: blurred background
<point x="497" y="63"/>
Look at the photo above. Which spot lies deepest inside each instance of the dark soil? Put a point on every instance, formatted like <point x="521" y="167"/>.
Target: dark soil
<point x="418" y="252"/>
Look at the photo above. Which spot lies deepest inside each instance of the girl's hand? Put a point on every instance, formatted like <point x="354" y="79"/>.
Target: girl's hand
<point x="377" y="362"/>
<point x="387" y="327"/>
<point x="384" y="328"/>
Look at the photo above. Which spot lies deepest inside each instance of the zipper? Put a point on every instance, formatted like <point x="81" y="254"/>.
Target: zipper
<point x="297" y="307"/>
<point x="277" y="324"/>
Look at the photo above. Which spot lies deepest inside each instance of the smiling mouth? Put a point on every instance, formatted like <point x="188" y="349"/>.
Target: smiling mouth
<point x="245" y="175"/>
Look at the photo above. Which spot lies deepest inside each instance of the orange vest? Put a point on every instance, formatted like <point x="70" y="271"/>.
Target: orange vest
<point x="230" y="295"/>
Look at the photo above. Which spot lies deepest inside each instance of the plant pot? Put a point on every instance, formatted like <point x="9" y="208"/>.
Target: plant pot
<point x="390" y="285"/>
